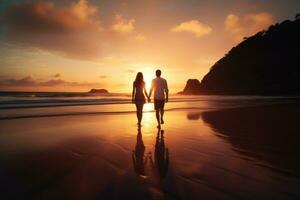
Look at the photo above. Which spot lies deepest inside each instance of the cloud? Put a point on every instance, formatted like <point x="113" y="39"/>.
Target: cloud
<point x="193" y="26"/>
<point x="56" y="75"/>
<point x="28" y="81"/>
<point x="130" y="70"/>
<point x="140" y="37"/>
<point x="240" y="27"/>
<point x="46" y="17"/>
<point x="70" y="30"/>
<point x="103" y="77"/>
<point x="122" y="25"/>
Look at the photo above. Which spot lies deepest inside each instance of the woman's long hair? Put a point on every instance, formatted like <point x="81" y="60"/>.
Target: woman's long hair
<point x="139" y="79"/>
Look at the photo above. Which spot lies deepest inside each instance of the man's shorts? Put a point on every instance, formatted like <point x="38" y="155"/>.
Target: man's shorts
<point x="159" y="104"/>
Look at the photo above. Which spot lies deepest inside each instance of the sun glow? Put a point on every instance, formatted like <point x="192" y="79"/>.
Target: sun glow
<point x="148" y="81"/>
<point x="149" y="74"/>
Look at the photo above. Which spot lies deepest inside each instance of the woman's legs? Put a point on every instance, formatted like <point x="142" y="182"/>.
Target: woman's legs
<point x="139" y="111"/>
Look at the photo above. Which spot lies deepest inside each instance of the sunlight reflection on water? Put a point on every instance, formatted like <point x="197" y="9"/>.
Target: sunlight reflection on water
<point x="148" y="107"/>
<point x="148" y="117"/>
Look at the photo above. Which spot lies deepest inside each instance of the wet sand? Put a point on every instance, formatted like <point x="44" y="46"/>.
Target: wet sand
<point x="232" y="153"/>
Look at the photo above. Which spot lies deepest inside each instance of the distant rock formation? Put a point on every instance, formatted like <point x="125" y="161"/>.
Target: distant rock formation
<point x="192" y="87"/>
<point x="267" y="63"/>
<point x="98" y="91"/>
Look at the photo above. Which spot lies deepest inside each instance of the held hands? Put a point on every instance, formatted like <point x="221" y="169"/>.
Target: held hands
<point x="149" y="100"/>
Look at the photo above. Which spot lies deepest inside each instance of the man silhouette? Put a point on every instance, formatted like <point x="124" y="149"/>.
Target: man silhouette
<point x="160" y="164"/>
<point x="161" y="95"/>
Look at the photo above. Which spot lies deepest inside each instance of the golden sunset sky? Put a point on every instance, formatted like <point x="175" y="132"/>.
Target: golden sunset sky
<point x="78" y="45"/>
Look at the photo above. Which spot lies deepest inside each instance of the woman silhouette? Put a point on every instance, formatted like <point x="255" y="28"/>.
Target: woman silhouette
<point x="138" y="158"/>
<point x="138" y="95"/>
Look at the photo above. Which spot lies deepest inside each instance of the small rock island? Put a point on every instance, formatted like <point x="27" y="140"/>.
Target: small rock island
<point x="98" y="91"/>
<point x="192" y="87"/>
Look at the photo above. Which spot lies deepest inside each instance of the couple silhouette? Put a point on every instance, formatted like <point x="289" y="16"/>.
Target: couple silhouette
<point x="161" y="96"/>
<point x="159" y="165"/>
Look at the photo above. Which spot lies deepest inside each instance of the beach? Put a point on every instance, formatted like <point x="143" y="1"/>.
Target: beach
<point x="149" y="100"/>
<point x="208" y="148"/>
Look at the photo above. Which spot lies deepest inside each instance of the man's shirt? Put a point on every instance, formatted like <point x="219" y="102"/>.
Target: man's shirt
<point x="160" y="86"/>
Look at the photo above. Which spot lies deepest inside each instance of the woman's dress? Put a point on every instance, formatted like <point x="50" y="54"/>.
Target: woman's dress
<point x="139" y="94"/>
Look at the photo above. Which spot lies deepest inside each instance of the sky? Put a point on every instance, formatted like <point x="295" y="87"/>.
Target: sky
<point x="76" y="45"/>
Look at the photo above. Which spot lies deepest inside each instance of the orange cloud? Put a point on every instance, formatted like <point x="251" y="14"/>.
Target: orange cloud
<point x="103" y="77"/>
<point x="46" y="17"/>
<point x="140" y="37"/>
<point x="130" y="70"/>
<point x="73" y="31"/>
<point x="193" y="26"/>
<point x="28" y="81"/>
<point x="239" y="27"/>
<point x="69" y="30"/>
<point x="122" y="25"/>
<point x="57" y="75"/>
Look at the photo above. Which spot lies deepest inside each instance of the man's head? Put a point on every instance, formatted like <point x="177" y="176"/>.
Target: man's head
<point x="158" y="73"/>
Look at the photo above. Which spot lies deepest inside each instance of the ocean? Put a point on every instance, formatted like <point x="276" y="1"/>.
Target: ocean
<point x="45" y="104"/>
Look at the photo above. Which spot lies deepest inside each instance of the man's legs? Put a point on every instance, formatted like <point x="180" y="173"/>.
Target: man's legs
<point x="162" y="115"/>
<point x="157" y="117"/>
<point x="159" y="111"/>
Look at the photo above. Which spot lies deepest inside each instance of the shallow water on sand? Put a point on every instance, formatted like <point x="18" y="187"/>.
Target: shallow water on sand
<point x="228" y="153"/>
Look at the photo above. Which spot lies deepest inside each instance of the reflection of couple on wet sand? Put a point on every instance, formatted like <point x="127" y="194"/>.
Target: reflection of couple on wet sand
<point x="161" y="95"/>
<point x="159" y="166"/>
<point x="161" y="156"/>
